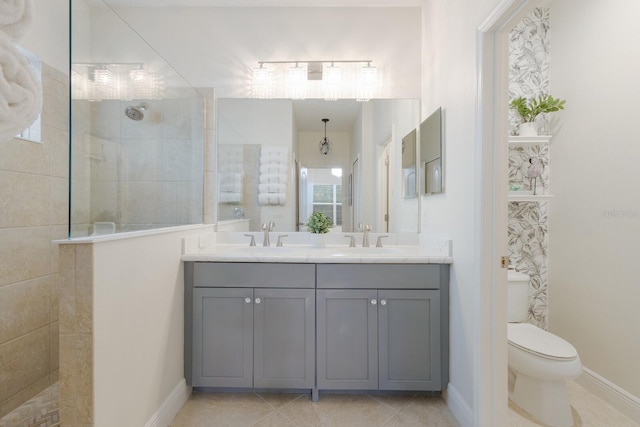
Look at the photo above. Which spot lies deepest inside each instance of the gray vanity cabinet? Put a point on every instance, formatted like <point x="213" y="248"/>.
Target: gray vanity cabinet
<point x="392" y="337"/>
<point x="254" y="336"/>
<point x="347" y="335"/>
<point x="223" y="349"/>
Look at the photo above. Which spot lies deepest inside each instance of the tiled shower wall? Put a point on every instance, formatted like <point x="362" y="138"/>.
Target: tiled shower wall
<point x="528" y="225"/>
<point x="138" y="174"/>
<point x="33" y="212"/>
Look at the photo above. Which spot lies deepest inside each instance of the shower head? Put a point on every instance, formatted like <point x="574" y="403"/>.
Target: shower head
<point x="136" y="112"/>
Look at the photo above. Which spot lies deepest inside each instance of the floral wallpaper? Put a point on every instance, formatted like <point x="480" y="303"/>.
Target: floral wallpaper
<point x="528" y="225"/>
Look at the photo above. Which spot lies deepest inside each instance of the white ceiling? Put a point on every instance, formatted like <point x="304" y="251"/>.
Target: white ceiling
<point x="264" y="3"/>
<point x="342" y="113"/>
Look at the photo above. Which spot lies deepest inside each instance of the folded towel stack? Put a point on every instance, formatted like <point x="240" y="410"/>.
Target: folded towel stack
<point x="230" y="173"/>
<point x="274" y="168"/>
<point x="20" y="89"/>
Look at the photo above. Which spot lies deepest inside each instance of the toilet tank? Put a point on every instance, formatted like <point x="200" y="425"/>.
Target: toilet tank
<point x="517" y="296"/>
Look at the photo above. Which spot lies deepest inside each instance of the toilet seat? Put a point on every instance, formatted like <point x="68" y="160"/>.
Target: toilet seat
<point x="532" y="339"/>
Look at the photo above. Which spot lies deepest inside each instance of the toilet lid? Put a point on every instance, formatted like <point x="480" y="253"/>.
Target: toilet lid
<point x="538" y="341"/>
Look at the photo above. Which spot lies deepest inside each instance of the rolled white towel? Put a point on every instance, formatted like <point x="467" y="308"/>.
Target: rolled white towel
<point x="273" y="199"/>
<point x="274" y="169"/>
<point x="20" y="91"/>
<point x="16" y="18"/>
<point x="230" y="197"/>
<point x="274" y="160"/>
<point x="272" y="188"/>
<point x="273" y="179"/>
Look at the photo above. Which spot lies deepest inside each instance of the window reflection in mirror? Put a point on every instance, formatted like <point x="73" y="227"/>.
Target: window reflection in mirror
<point x="409" y="179"/>
<point x="321" y="191"/>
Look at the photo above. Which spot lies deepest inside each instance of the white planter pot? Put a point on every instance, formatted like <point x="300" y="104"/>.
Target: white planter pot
<point x="317" y="240"/>
<point x="528" y="129"/>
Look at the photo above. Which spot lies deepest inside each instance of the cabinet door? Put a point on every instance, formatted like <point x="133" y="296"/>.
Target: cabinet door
<point x="409" y="334"/>
<point x="284" y="347"/>
<point x="347" y="334"/>
<point x="223" y="337"/>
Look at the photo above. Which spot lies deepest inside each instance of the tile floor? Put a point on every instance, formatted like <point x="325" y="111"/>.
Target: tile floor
<point x="588" y="411"/>
<point x="353" y="410"/>
<point x="294" y="410"/>
<point x="286" y="410"/>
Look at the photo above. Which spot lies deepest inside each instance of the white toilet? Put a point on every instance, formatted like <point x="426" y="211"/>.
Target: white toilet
<point x="540" y="361"/>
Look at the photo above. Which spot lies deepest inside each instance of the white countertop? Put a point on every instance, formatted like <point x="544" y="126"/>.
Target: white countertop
<point x="329" y="255"/>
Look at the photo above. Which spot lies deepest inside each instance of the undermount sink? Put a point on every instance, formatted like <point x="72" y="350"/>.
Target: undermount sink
<point x="371" y="251"/>
<point x="262" y="250"/>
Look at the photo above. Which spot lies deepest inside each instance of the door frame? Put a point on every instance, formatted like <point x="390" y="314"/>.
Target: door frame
<point x="490" y="398"/>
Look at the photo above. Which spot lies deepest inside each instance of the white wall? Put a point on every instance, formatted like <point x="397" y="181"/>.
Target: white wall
<point x="227" y="42"/>
<point x="49" y="35"/>
<point x="138" y="326"/>
<point x="594" y="220"/>
<point x="449" y="80"/>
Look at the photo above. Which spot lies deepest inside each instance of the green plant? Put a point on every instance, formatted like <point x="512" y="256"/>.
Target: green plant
<point x="529" y="109"/>
<point x="318" y="223"/>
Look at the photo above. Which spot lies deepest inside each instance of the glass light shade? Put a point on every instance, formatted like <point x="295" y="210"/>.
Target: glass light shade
<point x="297" y="82"/>
<point x="367" y="83"/>
<point x="331" y="83"/>
<point x="261" y="83"/>
<point x="102" y="76"/>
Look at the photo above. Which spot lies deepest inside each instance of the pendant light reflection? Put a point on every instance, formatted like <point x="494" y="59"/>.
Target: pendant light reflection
<point x="325" y="144"/>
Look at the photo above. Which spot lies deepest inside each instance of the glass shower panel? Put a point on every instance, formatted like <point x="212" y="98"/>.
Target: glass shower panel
<point x="137" y="131"/>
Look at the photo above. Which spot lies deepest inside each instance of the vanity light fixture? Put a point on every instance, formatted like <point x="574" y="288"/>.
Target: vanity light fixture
<point x="262" y="82"/>
<point x="332" y="82"/>
<point x="325" y="144"/>
<point x="367" y="82"/>
<point x="297" y="82"/>
<point x="299" y="79"/>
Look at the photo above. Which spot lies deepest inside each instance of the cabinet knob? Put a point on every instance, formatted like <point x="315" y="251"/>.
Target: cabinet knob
<point x="383" y="302"/>
<point x="258" y="300"/>
<point x="247" y="300"/>
<point x="374" y="301"/>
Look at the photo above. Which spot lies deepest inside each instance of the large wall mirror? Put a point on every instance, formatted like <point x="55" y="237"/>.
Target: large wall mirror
<point x="273" y="165"/>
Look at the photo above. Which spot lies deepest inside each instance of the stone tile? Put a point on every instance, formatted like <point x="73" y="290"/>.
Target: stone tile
<point x="20" y="398"/>
<point x="222" y="409"/>
<point x="18" y="155"/>
<point x="24" y="361"/>
<point x="277" y="400"/>
<point x="40" y="411"/>
<point x="430" y="410"/>
<point x="338" y="410"/>
<point x="67" y="288"/>
<point x="54" y="298"/>
<point x="24" y="254"/>
<point x="54" y="346"/>
<point x="25" y="199"/>
<point x="56" y="141"/>
<point x="274" y="420"/>
<point x="76" y="379"/>
<point x="59" y="201"/>
<point x="396" y="401"/>
<point x="24" y="307"/>
<point x="400" y="420"/>
<point x="84" y="289"/>
<point x="57" y="232"/>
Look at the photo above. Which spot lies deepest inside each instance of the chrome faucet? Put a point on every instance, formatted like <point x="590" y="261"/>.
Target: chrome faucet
<point x="365" y="236"/>
<point x="253" y="239"/>
<point x="267" y="228"/>
<point x="379" y="241"/>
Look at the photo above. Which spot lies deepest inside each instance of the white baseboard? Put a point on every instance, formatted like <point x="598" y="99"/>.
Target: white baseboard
<point x="458" y="406"/>
<point x="171" y="405"/>
<point x="617" y="397"/>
